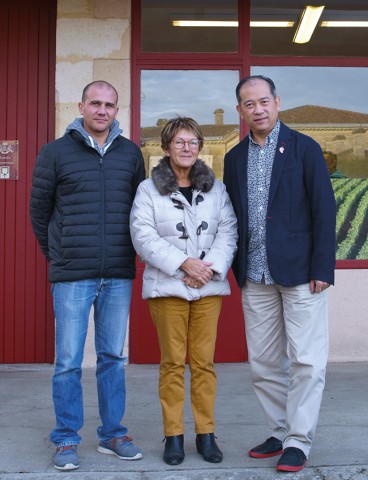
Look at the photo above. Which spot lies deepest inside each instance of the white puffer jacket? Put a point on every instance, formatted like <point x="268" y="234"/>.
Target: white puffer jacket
<point x="166" y="230"/>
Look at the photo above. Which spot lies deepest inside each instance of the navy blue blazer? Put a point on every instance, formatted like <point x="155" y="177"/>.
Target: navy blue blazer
<point x="301" y="214"/>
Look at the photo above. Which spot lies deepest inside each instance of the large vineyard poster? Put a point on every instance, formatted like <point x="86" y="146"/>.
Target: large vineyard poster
<point x="351" y="196"/>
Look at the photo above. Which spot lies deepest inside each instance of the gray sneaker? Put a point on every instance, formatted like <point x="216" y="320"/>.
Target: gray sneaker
<point x="121" y="447"/>
<point x="66" y="457"/>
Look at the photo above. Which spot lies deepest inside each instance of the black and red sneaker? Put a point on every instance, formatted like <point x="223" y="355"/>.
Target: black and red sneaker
<point x="292" y="460"/>
<point x="271" y="447"/>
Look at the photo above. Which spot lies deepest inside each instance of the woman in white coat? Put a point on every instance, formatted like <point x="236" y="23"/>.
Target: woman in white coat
<point x="184" y="228"/>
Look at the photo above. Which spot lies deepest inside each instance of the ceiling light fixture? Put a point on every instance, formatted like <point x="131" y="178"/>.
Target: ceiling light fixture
<point x="307" y="24"/>
<point x="268" y="24"/>
<point x="205" y="23"/>
<point x="346" y="23"/>
<point x="227" y="23"/>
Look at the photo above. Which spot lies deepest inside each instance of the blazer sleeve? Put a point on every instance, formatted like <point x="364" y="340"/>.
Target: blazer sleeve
<point x="323" y="213"/>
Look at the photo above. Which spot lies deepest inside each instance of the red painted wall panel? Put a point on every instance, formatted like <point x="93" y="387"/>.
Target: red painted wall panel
<point x="27" y="114"/>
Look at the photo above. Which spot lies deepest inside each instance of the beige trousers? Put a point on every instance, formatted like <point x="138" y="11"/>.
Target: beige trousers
<point x="287" y="339"/>
<point x="186" y="328"/>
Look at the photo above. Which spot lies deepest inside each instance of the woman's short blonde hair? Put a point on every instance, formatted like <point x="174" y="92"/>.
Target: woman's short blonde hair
<point x="180" y="123"/>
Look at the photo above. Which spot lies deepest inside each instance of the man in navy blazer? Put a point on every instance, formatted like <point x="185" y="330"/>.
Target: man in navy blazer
<point x="281" y="191"/>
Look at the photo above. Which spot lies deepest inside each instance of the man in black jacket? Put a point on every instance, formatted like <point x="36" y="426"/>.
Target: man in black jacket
<point x="83" y="187"/>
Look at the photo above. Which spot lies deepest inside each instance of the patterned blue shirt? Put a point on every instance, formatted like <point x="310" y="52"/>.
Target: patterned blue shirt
<point x="260" y="161"/>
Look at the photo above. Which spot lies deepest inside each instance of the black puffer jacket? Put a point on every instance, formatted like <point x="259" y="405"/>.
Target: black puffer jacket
<point x="80" y="206"/>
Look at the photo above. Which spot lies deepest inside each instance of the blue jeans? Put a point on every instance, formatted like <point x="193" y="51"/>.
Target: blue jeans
<point x="72" y="305"/>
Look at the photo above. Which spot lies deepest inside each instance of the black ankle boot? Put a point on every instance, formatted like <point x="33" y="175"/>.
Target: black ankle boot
<point x="207" y="446"/>
<point x="174" y="450"/>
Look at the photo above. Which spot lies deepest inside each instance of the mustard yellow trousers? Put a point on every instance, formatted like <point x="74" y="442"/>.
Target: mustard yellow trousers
<point x="184" y="329"/>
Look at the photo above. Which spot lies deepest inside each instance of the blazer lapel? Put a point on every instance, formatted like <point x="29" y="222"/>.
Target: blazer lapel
<point x="241" y="169"/>
<point x="282" y="151"/>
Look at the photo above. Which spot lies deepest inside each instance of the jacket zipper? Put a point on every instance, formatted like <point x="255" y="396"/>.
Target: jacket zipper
<point x="102" y="217"/>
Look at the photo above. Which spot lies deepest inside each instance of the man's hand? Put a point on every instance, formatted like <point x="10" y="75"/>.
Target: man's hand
<point x="316" y="286"/>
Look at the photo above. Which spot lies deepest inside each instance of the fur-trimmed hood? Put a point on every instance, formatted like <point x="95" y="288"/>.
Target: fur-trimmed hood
<point x="201" y="177"/>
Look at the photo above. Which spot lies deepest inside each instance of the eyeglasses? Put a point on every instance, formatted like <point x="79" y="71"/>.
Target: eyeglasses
<point x="179" y="143"/>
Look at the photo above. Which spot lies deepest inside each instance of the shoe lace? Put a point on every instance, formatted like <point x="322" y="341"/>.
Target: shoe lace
<point x="121" y="440"/>
<point x="66" y="447"/>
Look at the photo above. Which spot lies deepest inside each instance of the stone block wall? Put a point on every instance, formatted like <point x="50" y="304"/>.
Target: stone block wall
<point x="92" y="43"/>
